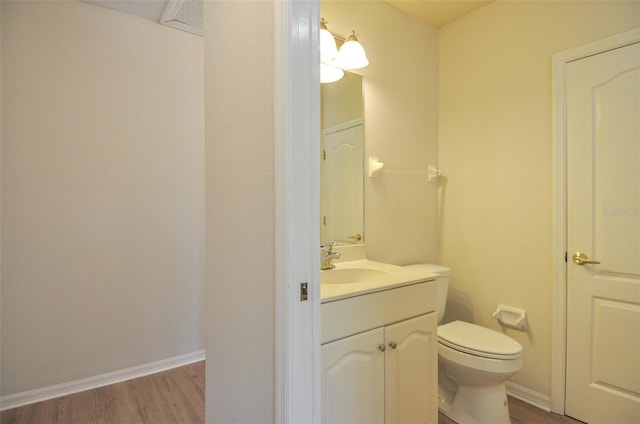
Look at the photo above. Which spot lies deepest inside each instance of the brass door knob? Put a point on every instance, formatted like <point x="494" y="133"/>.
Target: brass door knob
<point x="579" y="258"/>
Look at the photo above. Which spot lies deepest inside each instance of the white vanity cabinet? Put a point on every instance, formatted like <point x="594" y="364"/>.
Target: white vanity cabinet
<point x="385" y="369"/>
<point x="353" y="379"/>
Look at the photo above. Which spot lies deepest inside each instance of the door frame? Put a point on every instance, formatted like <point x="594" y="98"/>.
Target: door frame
<point x="559" y="237"/>
<point x="296" y="109"/>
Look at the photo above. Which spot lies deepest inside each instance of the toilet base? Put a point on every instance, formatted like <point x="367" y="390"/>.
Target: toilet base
<point x="478" y="405"/>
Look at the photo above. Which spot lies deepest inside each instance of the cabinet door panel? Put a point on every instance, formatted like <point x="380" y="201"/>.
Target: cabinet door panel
<point x="411" y="371"/>
<point x="353" y="379"/>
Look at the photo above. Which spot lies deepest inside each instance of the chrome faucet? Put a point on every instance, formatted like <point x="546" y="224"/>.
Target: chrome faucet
<point x="327" y="256"/>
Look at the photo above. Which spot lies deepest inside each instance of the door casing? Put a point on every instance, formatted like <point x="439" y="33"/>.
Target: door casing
<point x="297" y="191"/>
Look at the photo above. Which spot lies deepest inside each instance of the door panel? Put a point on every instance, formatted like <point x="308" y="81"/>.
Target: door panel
<point x="411" y="371"/>
<point x="616" y="179"/>
<point x="610" y="349"/>
<point x="353" y="379"/>
<point x="603" y="221"/>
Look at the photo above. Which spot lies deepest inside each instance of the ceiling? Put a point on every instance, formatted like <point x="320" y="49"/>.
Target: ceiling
<point x="150" y="9"/>
<point x="187" y="14"/>
<point x="437" y="12"/>
<point x="181" y="14"/>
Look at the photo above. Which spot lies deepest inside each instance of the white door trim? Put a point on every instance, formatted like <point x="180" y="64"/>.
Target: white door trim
<point x="558" y="261"/>
<point x="297" y="192"/>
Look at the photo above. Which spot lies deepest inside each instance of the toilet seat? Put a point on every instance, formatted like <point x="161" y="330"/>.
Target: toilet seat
<point x="479" y="341"/>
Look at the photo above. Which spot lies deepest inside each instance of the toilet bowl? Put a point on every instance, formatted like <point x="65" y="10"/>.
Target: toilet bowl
<point x="478" y="361"/>
<point x="473" y="364"/>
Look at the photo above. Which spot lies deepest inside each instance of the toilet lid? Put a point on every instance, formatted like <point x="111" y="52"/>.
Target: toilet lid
<point x="479" y="341"/>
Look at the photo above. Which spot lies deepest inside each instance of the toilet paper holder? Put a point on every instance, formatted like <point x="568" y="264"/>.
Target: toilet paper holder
<point x="512" y="317"/>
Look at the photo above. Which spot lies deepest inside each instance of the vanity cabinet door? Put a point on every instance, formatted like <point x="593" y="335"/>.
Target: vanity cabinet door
<point x="353" y="379"/>
<point x="411" y="371"/>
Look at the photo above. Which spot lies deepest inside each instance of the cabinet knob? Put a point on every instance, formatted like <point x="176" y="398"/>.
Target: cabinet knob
<point x="393" y="345"/>
<point x="382" y="347"/>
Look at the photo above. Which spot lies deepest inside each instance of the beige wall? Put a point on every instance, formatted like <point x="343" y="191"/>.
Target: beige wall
<point x="401" y="123"/>
<point x="240" y="240"/>
<point x="496" y="151"/>
<point x="102" y="193"/>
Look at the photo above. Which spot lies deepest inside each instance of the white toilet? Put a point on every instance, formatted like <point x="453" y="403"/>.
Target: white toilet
<point x="473" y="364"/>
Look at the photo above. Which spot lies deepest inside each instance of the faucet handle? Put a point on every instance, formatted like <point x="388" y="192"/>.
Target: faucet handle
<point x="328" y="246"/>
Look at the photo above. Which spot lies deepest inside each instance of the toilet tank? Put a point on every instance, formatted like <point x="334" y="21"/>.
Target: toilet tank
<point x="442" y="282"/>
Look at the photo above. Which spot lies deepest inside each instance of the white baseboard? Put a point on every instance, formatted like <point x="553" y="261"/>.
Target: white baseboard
<point x="50" y="392"/>
<point x="529" y="396"/>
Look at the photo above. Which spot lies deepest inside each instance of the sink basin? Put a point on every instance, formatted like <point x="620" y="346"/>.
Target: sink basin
<point x="362" y="276"/>
<point x="353" y="275"/>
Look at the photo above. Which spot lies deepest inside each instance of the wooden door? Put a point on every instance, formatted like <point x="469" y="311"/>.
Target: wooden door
<point x="603" y="223"/>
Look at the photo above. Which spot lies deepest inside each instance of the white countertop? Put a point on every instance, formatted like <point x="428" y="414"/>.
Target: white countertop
<point x="392" y="276"/>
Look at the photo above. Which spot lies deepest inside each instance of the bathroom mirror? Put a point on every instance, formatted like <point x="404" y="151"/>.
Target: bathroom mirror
<point x="342" y="162"/>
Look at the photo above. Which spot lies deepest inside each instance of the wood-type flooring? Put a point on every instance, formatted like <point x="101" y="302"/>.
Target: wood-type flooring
<point x="175" y="397"/>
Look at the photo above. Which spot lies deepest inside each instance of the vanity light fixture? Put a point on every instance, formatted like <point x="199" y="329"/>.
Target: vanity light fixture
<point x="332" y="61"/>
<point x="329" y="72"/>
<point x="351" y="54"/>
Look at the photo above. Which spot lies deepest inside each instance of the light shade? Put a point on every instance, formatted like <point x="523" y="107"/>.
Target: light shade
<point x="328" y="49"/>
<point x="330" y="73"/>
<point x="351" y="54"/>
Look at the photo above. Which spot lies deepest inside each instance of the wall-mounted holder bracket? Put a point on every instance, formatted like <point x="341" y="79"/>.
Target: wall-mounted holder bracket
<point x="512" y="317"/>
<point x="375" y="167"/>
<point x="433" y="173"/>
